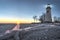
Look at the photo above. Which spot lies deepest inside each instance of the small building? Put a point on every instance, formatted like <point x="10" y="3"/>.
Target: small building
<point x="56" y="19"/>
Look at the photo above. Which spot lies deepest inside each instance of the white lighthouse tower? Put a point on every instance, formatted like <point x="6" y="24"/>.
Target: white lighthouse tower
<point x="48" y="17"/>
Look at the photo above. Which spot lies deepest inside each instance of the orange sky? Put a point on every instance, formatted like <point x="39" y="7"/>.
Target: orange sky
<point x="16" y="20"/>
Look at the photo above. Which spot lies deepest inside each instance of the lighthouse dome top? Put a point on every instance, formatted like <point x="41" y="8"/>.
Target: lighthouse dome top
<point x="48" y="5"/>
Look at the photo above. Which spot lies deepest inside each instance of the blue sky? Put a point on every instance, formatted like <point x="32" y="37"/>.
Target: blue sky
<point x="26" y="9"/>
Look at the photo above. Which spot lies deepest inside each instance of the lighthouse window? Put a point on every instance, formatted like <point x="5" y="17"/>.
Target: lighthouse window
<point x="47" y="11"/>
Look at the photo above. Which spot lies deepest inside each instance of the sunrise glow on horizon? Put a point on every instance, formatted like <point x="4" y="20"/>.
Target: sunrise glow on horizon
<point x="16" y="21"/>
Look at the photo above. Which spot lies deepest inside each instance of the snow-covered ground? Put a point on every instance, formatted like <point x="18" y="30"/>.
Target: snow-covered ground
<point x="41" y="32"/>
<point x="45" y="31"/>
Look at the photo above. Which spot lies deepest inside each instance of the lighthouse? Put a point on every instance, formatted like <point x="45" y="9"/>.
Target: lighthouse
<point x="48" y="17"/>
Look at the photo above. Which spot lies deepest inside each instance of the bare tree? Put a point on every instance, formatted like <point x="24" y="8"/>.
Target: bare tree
<point x="40" y="19"/>
<point x="35" y="18"/>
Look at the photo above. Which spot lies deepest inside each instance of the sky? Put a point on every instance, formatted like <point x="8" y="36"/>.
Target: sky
<point x="26" y="9"/>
